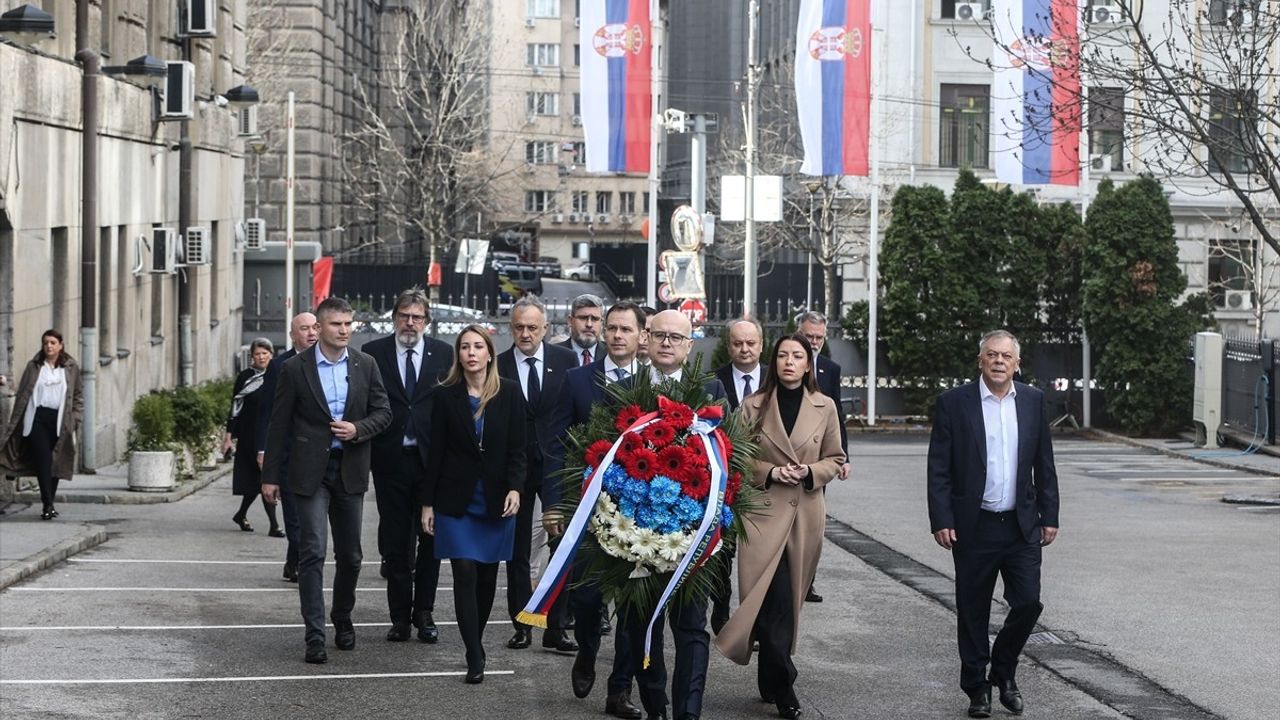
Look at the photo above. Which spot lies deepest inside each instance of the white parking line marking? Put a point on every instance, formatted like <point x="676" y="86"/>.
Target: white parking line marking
<point x="187" y="562"/>
<point x="290" y="589"/>
<point x="92" y="628"/>
<point x="251" y="678"/>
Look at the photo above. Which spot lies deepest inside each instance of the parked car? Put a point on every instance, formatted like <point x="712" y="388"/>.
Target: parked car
<point x="549" y="266"/>
<point x="500" y="259"/>
<point x="585" y="271"/>
<point x="448" y="319"/>
<point x="516" y="280"/>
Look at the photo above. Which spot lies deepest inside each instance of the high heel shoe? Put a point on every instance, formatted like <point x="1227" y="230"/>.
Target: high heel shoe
<point x="242" y="523"/>
<point x="47" y="514"/>
<point x="475" y="676"/>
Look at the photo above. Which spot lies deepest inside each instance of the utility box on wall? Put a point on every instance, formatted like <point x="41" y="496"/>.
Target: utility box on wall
<point x="1206" y="404"/>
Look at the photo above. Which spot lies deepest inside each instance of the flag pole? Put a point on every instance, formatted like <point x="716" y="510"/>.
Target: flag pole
<point x="749" y="242"/>
<point x="655" y="138"/>
<point x="873" y="255"/>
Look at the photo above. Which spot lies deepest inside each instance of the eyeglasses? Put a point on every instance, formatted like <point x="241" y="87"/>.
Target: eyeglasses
<point x="663" y="338"/>
<point x="415" y="319"/>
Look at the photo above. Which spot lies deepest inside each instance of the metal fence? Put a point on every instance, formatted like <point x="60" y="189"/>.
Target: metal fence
<point x="1249" y="403"/>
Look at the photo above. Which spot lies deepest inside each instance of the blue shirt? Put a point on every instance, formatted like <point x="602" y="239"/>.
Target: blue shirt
<point x="1000" y="421"/>
<point x="333" y="378"/>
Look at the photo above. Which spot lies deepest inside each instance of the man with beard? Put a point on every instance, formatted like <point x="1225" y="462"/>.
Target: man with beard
<point x="586" y="313"/>
<point x="411" y="365"/>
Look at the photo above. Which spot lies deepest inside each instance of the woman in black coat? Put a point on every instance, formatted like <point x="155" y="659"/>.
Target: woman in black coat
<point x="471" y="490"/>
<point x="246" y="480"/>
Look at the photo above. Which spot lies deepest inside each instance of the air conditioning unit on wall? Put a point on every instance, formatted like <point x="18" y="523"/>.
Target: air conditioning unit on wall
<point x="179" y="90"/>
<point x="164" y="251"/>
<point x="969" y="11"/>
<point x="1099" y="14"/>
<point x="197" y="18"/>
<point x="247" y="121"/>
<point x="1238" y="300"/>
<point x="195" y="248"/>
<point x="255" y="234"/>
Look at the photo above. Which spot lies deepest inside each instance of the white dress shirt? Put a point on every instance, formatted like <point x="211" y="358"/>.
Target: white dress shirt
<point x="577" y="351"/>
<point x="739" y="385"/>
<point x="611" y="369"/>
<point x="401" y="351"/>
<point x="657" y="376"/>
<point x="1000" y="422"/>
<point x="522" y="367"/>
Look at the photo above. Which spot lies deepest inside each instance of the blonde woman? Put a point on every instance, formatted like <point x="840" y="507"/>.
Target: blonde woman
<point x="471" y="489"/>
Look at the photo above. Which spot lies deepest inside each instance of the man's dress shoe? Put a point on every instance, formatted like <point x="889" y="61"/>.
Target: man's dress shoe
<point x="399" y="632"/>
<point x="290" y="573"/>
<point x="521" y="640"/>
<point x="980" y="703"/>
<point x="557" y="641"/>
<point x="812" y="596"/>
<point x="427" y="631"/>
<point x="1010" y="697"/>
<point x="583" y="675"/>
<point x="344" y="635"/>
<point x="316" y="653"/>
<point x="789" y="712"/>
<point x="475" y="675"/>
<point x="619" y="705"/>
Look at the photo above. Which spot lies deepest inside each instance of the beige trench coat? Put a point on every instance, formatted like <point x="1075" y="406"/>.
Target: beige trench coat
<point x="13" y="459"/>
<point x="793" y="519"/>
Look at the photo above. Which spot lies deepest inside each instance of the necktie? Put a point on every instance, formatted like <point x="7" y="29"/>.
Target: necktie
<point x="746" y="386"/>
<point x="534" y="391"/>
<point x="586" y="357"/>
<point x="620" y="373"/>
<point x="410" y="383"/>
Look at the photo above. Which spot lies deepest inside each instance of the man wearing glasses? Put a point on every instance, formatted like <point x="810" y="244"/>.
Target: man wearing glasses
<point x="411" y="364"/>
<point x="586" y="315"/>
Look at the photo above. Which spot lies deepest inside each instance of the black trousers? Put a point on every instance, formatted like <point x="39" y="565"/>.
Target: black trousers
<point x="997" y="547"/>
<point x="412" y="569"/>
<point x="343" y="512"/>
<point x="587" y="605"/>
<point x="776" y="630"/>
<point x="44" y="435"/>
<point x="474" y="585"/>
<point x="689" y="677"/>
<point x="720" y="595"/>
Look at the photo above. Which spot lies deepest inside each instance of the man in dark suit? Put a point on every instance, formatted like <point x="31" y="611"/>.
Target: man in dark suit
<point x="583" y="389"/>
<point x="586" y="315"/>
<point x="540" y="370"/>
<point x="411" y="365"/>
<point x="993" y="502"/>
<point x="813" y="326"/>
<point x="740" y="377"/>
<point x="329" y="404"/>
<point x="303" y="332"/>
<point x="670" y="340"/>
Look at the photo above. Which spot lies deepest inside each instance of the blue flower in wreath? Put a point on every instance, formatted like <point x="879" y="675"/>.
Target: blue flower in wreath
<point x="648" y="517"/>
<point x="687" y="510"/>
<point x="627" y="507"/>
<point x="669" y="524"/>
<point x="663" y="491"/>
<point x="635" y="491"/>
<point x="726" y="517"/>
<point x="614" y="478"/>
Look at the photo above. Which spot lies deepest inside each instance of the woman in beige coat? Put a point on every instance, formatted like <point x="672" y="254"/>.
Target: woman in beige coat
<point x="800" y="452"/>
<point x="40" y="437"/>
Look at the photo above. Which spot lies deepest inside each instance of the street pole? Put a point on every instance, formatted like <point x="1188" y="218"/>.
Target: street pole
<point x="290" y="181"/>
<point x="749" y="244"/>
<point x="698" y="164"/>
<point x="655" y="138"/>
<point x="1086" y="351"/>
<point x="873" y="255"/>
<point x="89" y="351"/>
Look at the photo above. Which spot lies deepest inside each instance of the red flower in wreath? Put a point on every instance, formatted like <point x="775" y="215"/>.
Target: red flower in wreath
<point x="641" y="464"/>
<point x="596" y="452"/>
<point x="731" y="488"/>
<point x="627" y="417"/>
<point x="728" y="445"/>
<point x="696" y="484"/>
<point x="631" y="442"/>
<point x="673" y="461"/>
<point x="660" y="434"/>
<point x="697" y="451"/>
<point x="679" y="415"/>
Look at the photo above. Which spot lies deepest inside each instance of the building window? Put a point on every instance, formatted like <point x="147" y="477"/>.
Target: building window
<point x="604" y="202"/>
<point x="579" y="153"/>
<point x="539" y="201"/>
<point x="950" y="8"/>
<point x="580" y="201"/>
<point x="577" y="103"/>
<point x="577" y="55"/>
<point x="1106" y="128"/>
<point x="542" y="103"/>
<point x="627" y="203"/>
<point x="544" y="8"/>
<point x="125" y="298"/>
<point x="106" y="302"/>
<point x="646" y="201"/>
<point x="542" y="55"/>
<point x="540" y="152"/>
<point x="60" y="280"/>
<point x="1231" y="264"/>
<point x="964" y="126"/>
<point x="1240" y="13"/>
<point x="1230" y="133"/>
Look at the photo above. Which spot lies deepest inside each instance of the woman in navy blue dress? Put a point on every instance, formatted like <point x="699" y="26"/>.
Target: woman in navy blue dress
<point x="471" y="490"/>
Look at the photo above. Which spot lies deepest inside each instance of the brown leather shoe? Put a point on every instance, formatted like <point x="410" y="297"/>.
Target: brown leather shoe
<point x="619" y="705"/>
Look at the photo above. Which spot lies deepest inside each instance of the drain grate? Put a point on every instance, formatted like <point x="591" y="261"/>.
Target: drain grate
<point x="1045" y="638"/>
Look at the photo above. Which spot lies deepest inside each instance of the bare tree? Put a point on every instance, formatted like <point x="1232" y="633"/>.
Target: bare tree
<point x="418" y="158"/>
<point x="1238" y="263"/>
<point x="1195" y="83"/>
<point x="272" y="55"/>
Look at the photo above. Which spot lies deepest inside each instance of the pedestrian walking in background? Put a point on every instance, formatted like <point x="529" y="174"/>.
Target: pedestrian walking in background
<point x="242" y="425"/>
<point x="329" y="403"/>
<point x="993" y="502"/>
<point x="41" y="434"/>
<point x="475" y="474"/>
<point x="800" y="452"/>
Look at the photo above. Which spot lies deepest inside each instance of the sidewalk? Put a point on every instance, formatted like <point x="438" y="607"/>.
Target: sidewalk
<point x="29" y="545"/>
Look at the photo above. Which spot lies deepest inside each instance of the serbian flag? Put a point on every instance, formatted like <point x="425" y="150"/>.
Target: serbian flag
<point x="617" y="105"/>
<point x="833" y="85"/>
<point x="1035" y="96"/>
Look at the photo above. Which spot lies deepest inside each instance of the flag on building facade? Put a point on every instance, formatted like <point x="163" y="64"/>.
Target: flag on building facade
<point x="833" y="85"/>
<point x="1035" y="96"/>
<point x="617" y="107"/>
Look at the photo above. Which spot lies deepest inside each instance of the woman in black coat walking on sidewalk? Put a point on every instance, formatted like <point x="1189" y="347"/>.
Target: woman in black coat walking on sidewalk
<point x="246" y="479"/>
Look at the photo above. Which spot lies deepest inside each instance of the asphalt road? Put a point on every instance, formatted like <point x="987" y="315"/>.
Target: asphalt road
<point x="181" y="615"/>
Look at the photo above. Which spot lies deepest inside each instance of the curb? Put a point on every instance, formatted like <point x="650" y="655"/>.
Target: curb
<point x="1105" y="435"/>
<point x="130" y="497"/>
<point x="89" y="536"/>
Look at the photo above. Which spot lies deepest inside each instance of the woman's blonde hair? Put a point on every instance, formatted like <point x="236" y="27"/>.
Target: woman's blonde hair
<point x="456" y="373"/>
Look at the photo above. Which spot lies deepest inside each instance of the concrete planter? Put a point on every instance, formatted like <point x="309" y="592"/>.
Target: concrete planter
<point x="152" y="471"/>
<point x="206" y="458"/>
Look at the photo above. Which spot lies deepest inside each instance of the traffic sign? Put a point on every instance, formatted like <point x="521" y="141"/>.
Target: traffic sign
<point x="664" y="293"/>
<point x="695" y="309"/>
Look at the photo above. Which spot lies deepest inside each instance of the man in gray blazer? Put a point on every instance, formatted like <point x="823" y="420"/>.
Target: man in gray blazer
<point x="329" y="403"/>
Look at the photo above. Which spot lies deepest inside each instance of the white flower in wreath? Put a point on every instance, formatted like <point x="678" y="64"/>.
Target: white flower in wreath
<point x="605" y="504"/>
<point x="626" y="526"/>
<point x="673" y="546"/>
<point x="646" y="544"/>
